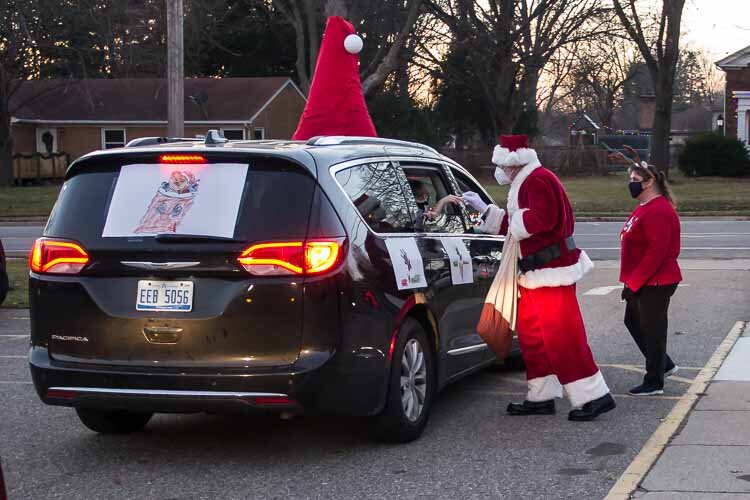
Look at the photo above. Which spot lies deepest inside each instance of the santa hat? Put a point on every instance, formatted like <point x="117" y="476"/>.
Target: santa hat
<point x="336" y="105"/>
<point x="514" y="151"/>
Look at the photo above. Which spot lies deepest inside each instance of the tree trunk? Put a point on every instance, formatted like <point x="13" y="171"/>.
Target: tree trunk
<point x="662" y="121"/>
<point x="6" y="155"/>
<point x="390" y="61"/>
<point x="313" y="36"/>
<point x="6" y="139"/>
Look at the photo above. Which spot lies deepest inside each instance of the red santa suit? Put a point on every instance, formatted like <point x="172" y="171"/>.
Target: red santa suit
<point x="550" y="328"/>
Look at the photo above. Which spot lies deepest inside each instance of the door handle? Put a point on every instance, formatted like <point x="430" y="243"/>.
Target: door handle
<point x="162" y="334"/>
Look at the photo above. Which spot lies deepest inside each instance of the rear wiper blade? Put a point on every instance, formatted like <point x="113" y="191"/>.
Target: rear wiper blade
<point x="193" y="238"/>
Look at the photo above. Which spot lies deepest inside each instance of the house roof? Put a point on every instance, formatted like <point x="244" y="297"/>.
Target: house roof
<point x="144" y="100"/>
<point x="738" y="60"/>
<point x="586" y="118"/>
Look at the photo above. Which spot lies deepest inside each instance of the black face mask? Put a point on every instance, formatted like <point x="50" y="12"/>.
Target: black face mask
<point x="636" y="188"/>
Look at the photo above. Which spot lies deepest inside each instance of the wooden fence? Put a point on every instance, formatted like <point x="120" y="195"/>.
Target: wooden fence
<point x="37" y="167"/>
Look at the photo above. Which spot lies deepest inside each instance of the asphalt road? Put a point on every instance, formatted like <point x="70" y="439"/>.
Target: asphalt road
<point x="704" y="239"/>
<point x="471" y="448"/>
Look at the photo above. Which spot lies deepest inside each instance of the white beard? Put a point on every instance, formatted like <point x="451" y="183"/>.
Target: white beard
<point x="501" y="177"/>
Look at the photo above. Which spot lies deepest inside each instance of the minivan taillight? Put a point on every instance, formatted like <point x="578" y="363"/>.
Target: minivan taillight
<point x="57" y="257"/>
<point x="292" y="257"/>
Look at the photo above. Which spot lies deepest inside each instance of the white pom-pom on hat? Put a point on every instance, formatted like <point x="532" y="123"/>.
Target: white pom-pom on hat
<point x="353" y="43"/>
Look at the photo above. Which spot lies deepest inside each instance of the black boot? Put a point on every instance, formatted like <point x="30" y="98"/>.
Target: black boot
<point x="532" y="408"/>
<point x="593" y="409"/>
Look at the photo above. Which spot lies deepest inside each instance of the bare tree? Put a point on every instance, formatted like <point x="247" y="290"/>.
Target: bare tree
<point x="603" y="69"/>
<point x="374" y="19"/>
<point x="659" y="46"/>
<point x="546" y="27"/>
<point x="507" y="45"/>
<point x="21" y="43"/>
<point x="556" y="74"/>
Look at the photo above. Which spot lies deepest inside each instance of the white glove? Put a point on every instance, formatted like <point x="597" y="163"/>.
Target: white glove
<point x="475" y="201"/>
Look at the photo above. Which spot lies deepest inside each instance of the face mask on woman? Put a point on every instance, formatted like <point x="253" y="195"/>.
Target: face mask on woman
<point x="636" y="188"/>
<point x="501" y="177"/>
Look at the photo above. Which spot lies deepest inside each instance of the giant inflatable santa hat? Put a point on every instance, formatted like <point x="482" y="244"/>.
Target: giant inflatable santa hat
<point x="336" y="105"/>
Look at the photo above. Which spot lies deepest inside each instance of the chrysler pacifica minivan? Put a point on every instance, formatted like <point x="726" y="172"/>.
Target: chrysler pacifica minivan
<point x="223" y="276"/>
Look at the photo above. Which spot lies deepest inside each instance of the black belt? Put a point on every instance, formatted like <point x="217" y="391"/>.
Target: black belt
<point x="545" y="255"/>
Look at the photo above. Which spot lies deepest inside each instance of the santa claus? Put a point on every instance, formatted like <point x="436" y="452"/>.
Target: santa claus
<point x="550" y="328"/>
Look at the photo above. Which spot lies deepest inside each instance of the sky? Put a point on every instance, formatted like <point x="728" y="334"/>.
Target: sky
<point x="721" y="27"/>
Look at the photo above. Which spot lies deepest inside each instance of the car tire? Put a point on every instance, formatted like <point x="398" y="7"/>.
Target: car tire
<point x="4" y="286"/>
<point x="113" y="421"/>
<point x="402" y="421"/>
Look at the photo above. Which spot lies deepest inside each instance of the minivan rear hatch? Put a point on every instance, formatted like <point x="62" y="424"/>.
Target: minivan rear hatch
<point x="163" y="287"/>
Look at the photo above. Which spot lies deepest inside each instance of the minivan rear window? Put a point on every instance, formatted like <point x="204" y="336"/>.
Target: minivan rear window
<point x="103" y="207"/>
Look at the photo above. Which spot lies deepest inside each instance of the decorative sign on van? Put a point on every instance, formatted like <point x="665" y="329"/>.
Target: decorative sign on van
<point x="462" y="271"/>
<point x="407" y="263"/>
<point x="201" y="199"/>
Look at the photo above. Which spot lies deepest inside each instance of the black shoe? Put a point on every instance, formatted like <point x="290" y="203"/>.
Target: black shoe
<point x="532" y="408"/>
<point x="593" y="409"/>
<point x="646" y="390"/>
<point x="671" y="371"/>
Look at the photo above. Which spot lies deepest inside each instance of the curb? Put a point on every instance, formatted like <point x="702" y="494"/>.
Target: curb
<point x="652" y="450"/>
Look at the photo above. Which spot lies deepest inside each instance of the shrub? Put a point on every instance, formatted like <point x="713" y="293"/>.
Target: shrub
<point x="714" y="154"/>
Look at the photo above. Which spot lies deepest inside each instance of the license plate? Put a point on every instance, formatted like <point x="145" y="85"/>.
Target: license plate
<point x="175" y="296"/>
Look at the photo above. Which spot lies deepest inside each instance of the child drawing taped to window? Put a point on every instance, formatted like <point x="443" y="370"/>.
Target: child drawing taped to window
<point x="170" y="204"/>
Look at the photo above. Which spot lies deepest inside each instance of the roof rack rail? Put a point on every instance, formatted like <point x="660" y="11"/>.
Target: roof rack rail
<point x="150" y="141"/>
<point x="335" y="140"/>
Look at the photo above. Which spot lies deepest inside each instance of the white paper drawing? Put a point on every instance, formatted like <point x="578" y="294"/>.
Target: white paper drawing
<point x="462" y="270"/>
<point x="407" y="263"/>
<point x="182" y="199"/>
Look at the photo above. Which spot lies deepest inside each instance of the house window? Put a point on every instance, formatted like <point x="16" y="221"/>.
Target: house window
<point x="234" y="134"/>
<point x="113" y="138"/>
<point x="259" y="133"/>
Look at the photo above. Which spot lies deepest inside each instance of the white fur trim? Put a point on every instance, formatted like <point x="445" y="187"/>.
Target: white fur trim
<point x="517" y="228"/>
<point x="492" y="222"/>
<point x="515" y="186"/>
<point x="544" y="389"/>
<point x="586" y="389"/>
<point x="503" y="157"/>
<point x="557" y="276"/>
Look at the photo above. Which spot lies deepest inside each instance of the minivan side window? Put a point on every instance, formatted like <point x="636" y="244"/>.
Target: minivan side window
<point x="377" y="192"/>
<point x="429" y="185"/>
<point x="468" y="184"/>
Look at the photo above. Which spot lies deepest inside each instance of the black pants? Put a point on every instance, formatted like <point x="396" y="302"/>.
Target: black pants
<point x="646" y="320"/>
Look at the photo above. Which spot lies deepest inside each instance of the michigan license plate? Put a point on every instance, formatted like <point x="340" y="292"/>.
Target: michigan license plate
<point x="175" y="296"/>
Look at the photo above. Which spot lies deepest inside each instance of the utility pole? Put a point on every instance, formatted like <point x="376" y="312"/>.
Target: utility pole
<point x="175" y="70"/>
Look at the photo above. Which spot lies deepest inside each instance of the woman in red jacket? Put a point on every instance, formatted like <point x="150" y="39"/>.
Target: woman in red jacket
<point x="649" y="270"/>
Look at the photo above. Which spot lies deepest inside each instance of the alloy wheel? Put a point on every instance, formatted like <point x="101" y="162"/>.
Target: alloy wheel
<point x="413" y="380"/>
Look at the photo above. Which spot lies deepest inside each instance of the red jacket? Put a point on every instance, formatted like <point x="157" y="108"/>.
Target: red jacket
<point x="540" y="215"/>
<point x="650" y="246"/>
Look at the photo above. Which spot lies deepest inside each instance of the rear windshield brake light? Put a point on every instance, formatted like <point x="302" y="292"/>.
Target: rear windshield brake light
<point x="181" y="159"/>
<point x="57" y="257"/>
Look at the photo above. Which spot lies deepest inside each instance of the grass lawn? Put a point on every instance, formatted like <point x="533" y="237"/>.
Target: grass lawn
<point x="608" y="195"/>
<point x="28" y="201"/>
<point x="18" y="273"/>
<point x="591" y="196"/>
